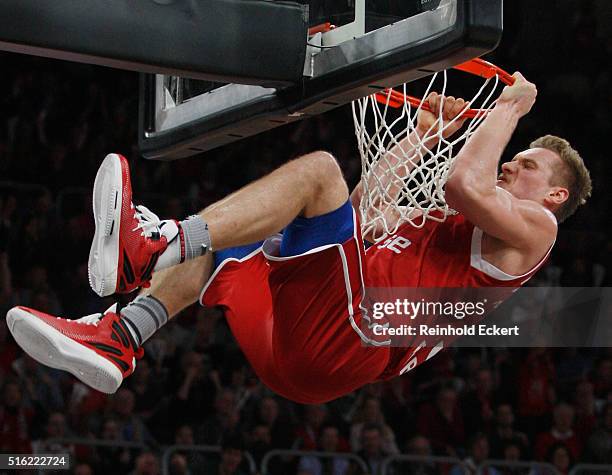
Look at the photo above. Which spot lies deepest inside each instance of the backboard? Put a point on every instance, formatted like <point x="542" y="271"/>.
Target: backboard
<point x="375" y="44"/>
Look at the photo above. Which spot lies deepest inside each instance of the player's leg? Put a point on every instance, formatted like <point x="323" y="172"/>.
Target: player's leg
<point x="289" y="315"/>
<point x="312" y="214"/>
<point x="297" y="336"/>
<point x="309" y="186"/>
<point x="131" y="242"/>
<point x="178" y="287"/>
<point x="318" y="214"/>
<point x="307" y="319"/>
<point x="100" y="349"/>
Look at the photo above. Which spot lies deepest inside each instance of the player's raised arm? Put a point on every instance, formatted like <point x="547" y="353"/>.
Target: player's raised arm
<point x="408" y="152"/>
<point x="515" y="216"/>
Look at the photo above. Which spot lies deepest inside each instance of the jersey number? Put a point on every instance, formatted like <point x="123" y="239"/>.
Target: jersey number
<point x="396" y="244"/>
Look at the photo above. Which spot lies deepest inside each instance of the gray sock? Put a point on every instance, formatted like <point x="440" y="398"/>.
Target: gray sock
<point x="197" y="239"/>
<point x="144" y="316"/>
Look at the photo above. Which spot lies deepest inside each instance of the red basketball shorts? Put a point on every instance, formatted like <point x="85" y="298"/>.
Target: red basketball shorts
<point x="297" y="318"/>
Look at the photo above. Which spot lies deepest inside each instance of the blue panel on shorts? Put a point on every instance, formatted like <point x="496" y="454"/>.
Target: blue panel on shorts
<point x="303" y="234"/>
<point x="235" y="252"/>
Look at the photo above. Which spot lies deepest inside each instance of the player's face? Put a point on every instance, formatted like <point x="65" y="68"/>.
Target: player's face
<point x="529" y="174"/>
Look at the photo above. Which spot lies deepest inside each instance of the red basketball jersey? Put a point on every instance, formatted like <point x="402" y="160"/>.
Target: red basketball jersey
<point x="440" y="254"/>
<point x="299" y="319"/>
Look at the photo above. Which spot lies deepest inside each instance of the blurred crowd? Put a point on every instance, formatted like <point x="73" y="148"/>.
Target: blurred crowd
<point x="58" y="120"/>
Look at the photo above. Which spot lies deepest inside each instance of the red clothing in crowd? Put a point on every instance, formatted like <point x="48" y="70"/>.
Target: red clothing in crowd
<point x="535" y="382"/>
<point x="546" y="440"/>
<point x="440" y="431"/>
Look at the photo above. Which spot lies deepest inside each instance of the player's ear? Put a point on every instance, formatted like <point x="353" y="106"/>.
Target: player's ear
<point x="557" y="195"/>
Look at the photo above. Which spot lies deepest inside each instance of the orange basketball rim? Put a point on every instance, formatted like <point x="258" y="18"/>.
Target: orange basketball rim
<point x="477" y="67"/>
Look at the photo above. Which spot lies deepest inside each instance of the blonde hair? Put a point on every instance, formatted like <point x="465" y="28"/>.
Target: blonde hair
<point x="573" y="174"/>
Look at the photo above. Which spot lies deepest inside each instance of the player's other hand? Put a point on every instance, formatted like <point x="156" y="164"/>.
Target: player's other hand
<point x="522" y="94"/>
<point x="446" y="107"/>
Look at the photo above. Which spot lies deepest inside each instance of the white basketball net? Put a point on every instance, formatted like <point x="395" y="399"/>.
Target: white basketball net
<point x="405" y="183"/>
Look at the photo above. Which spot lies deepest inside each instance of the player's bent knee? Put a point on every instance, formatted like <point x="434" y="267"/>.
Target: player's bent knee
<point x="329" y="190"/>
<point x="326" y="163"/>
<point x="327" y="170"/>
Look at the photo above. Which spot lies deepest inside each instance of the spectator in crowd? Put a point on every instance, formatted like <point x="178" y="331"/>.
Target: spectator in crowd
<point x="512" y="452"/>
<point x="196" y="390"/>
<point x="230" y="461"/>
<point x="418" y="446"/>
<point x="112" y="458"/>
<point x="36" y="287"/>
<point x="147" y="464"/>
<point x="504" y="431"/>
<point x="131" y="426"/>
<point x="202" y="338"/>
<point x="572" y="366"/>
<point x="478" y="403"/>
<point x="280" y="425"/>
<point x="441" y="422"/>
<point x="398" y="400"/>
<point x="372" y="444"/>
<point x="147" y="388"/>
<point x="239" y="381"/>
<point x="184" y="436"/>
<point x="602" y="378"/>
<point x="86" y="407"/>
<point x="222" y="422"/>
<point x="179" y="465"/>
<point x="15" y="421"/>
<point x="370" y="413"/>
<point x="584" y="403"/>
<point x="55" y="428"/>
<point x="260" y="442"/>
<point x="478" y="452"/>
<point x="41" y="384"/>
<point x="560" y="431"/>
<point x="560" y="456"/>
<point x="328" y="442"/>
<point x="535" y="382"/>
<point x="307" y="435"/>
<point x="599" y="444"/>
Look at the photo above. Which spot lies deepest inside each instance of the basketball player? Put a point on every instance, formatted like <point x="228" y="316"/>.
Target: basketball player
<point x="293" y="301"/>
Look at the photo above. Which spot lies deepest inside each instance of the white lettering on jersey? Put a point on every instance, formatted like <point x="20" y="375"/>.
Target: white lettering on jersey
<point x="411" y="365"/>
<point x="435" y="350"/>
<point x="421" y="345"/>
<point x="396" y="244"/>
<point x="414" y="361"/>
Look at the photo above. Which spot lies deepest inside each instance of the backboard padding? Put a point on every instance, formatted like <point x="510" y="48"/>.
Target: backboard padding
<point x="400" y="52"/>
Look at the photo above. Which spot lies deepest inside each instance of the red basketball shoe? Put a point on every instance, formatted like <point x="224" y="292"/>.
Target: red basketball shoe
<point x="128" y="240"/>
<point x="98" y="349"/>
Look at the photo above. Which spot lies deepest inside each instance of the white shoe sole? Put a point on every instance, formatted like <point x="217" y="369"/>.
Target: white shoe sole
<point x="107" y="204"/>
<point x="50" y="347"/>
